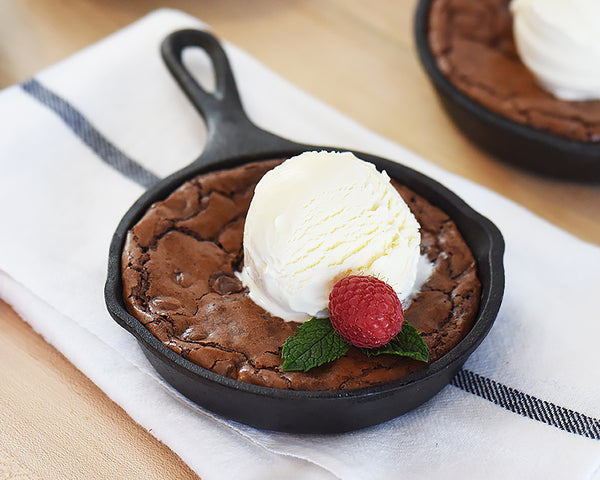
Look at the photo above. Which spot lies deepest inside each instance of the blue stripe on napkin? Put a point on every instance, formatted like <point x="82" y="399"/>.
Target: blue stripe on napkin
<point x="527" y="405"/>
<point x="103" y="147"/>
<point x="497" y="393"/>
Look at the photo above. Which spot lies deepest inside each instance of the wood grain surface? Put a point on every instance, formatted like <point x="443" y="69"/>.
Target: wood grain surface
<point x="355" y="55"/>
<point x="56" y="423"/>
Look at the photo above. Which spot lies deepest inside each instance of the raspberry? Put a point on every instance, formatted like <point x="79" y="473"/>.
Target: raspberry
<point x="365" y="311"/>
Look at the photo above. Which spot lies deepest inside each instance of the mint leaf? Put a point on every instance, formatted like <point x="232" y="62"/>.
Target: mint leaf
<point x="408" y="343"/>
<point x="315" y="343"/>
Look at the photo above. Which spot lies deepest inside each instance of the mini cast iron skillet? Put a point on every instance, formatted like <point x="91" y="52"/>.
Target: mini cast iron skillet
<point x="234" y="140"/>
<point x="520" y="145"/>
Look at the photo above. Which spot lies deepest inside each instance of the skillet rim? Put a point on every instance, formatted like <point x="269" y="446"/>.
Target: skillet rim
<point x="490" y="300"/>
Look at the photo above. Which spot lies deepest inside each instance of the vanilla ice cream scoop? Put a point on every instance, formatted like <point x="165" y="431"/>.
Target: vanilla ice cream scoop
<point x="559" y="41"/>
<point x="317" y="218"/>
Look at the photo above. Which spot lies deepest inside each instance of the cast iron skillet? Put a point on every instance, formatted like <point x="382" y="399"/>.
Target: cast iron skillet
<point x="520" y="145"/>
<point x="234" y="140"/>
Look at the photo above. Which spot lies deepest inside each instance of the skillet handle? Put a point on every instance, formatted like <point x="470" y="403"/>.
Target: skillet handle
<point x="230" y="132"/>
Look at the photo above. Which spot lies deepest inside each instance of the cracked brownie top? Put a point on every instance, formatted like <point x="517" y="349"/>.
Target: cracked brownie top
<point x="178" y="269"/>
<point x="474" y="48"/>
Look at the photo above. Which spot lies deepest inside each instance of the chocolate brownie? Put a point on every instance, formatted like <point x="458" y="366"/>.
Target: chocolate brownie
<point x="472" y="41"/>
<point x="178" y="269"/>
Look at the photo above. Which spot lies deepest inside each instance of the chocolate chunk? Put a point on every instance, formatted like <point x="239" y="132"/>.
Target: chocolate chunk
<point x="224" y="283"/>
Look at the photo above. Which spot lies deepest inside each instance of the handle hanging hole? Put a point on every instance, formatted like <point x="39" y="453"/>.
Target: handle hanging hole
<point x="200" y="66"/>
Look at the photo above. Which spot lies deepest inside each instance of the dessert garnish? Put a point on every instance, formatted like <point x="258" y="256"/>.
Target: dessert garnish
<point x="324" y="216"/>
<point x="363" y="311"/>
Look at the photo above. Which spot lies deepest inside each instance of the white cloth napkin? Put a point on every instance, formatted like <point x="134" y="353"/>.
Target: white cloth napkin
<point x="524" y="406"/>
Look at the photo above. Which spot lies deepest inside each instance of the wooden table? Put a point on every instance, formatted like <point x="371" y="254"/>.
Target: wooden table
<point x="54" y="422"/>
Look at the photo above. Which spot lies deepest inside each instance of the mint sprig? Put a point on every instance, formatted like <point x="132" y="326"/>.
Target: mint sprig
<point x="407" y="343"/>
<point x="316" y="343"/>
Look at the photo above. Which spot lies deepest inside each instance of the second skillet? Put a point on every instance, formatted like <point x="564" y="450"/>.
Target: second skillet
<point x="234" y="140"/>
<point x="515" y="143"/>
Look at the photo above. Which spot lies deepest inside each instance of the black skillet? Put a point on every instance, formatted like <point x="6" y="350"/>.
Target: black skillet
<point x="234" y="140"/>
<point x="523" y="146"/>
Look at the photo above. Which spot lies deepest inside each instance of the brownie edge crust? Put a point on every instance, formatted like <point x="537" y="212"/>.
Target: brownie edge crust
<point x="178" y="270"/>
